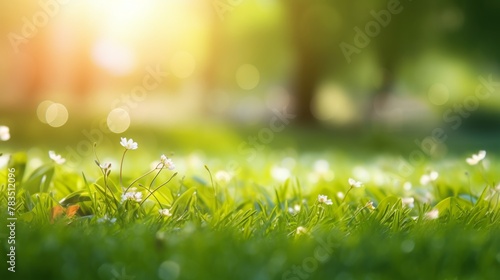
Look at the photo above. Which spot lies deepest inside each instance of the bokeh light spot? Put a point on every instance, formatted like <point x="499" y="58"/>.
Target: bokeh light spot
<point x="169" y="270"/>
<point x="407" y="246"/>
<point x="247" y="76"/>
<point x="438" y="94"/>
<point x="332" y="104"/>
<point x="56" y="115"/>
<point x="118" y="120"/>
<point x="280" y="174"/>
<point x="182" y="64"/>
<point x="41" y="111"/>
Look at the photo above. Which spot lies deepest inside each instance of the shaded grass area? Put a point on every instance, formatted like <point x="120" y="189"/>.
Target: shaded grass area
<point x="430" y="251"/>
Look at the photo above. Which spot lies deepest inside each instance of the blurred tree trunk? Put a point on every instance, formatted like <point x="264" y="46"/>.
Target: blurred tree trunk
<point x="304" y="84"/>
<point x="307" y="72"/>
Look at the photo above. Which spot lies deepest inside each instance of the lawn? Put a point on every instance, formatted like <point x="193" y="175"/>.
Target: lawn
<point x="285" y="214"/>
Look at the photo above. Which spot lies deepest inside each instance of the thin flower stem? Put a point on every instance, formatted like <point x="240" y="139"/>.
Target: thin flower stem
<point x="311" y="213"/>
<point x="142" y="176"/>
<point x="105" y="190"/>
<point x="95" y="152"/>
<point x="157" y="174"/>
<point x="157" y="188"/>
<point x="106" y="187"/>
<point x="105" y="176"/>
<point x="150" y="193"/>
<point x="345" y="196"/>
<point x="321" y="211"/>
<point x="121" y="168"/>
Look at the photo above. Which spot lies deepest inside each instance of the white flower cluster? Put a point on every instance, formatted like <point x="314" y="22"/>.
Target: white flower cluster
<point x="167" y="162"/>
<point x="132" y="195"/>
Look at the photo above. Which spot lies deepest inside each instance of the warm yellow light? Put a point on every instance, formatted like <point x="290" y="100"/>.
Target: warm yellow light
<point x="116" y="58"/>
<point x="182" y="64"/>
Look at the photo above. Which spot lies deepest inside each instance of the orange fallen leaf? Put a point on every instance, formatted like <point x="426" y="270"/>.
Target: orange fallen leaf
<point x="58" y="211"/>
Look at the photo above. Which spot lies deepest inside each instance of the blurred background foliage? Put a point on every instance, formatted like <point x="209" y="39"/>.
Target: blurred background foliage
<point x="225" y="65"/>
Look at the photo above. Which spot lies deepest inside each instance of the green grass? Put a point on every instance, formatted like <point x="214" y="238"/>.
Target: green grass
<point x="250" y="227"/>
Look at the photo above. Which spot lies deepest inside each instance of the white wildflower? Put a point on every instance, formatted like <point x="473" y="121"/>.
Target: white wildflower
<point x="165" y="212"/>
<point x="4" y="133"/>
<point x="355" y="184"/>
<point x="132" y="195"/>
<point x="323" y="199"/>
<point x="128" y="144"/>
<point x="167" y="162"/>
<point x="105" y="166"/>
<point x="369" y="205"/>
<point x="408" y="202"/>
<point x="56" y="158"/>
<point x="432" y="215"/>
<point x="301" y="230"/>
<point x="476" y="158"/>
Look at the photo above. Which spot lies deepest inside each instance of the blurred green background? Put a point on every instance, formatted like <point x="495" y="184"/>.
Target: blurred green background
<point x="205" y="75"/>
